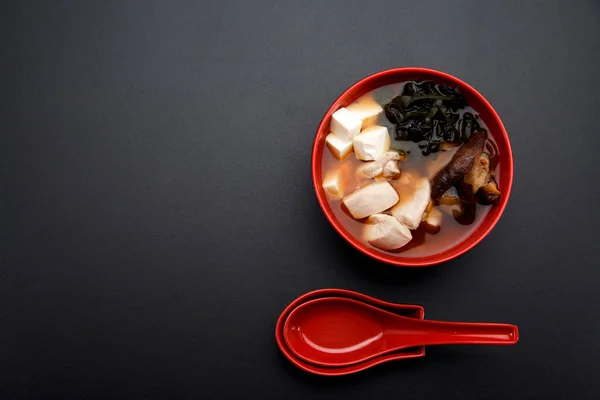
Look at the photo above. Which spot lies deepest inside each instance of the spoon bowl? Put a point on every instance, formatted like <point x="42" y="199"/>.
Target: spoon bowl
<point x="337" y="332"/>
<point x="408" y="310"/>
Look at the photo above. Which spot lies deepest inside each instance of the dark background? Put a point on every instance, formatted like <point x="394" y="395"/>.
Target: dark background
<point x="157" y="212"/>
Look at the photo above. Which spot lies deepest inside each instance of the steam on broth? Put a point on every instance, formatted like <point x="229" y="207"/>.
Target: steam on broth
<point x="411" y="169"/>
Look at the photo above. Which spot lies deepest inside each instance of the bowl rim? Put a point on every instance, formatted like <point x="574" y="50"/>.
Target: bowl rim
<point x="476" y="236"/>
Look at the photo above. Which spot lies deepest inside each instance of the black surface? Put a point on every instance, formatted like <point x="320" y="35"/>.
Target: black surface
<point x="157" y="213"/>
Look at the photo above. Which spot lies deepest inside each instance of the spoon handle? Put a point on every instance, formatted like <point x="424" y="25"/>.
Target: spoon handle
<point x="426" y="332"/>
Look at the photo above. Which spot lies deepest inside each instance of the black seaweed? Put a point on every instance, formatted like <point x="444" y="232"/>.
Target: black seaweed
<point x="428" y="113"/>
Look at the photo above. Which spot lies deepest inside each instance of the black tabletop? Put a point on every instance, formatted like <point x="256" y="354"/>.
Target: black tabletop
<point x="157" y="212"/>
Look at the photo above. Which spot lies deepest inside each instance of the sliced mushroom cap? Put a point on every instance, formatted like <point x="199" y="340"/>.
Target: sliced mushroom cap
<point x="468" y="203"/>
<point x="479" y="175"/>
<point x="490" y="193"/>
<point x="459" y="165"/>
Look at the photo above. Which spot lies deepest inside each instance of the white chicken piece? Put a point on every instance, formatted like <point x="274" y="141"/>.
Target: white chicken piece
<point x="385" y="232"/>
<point x="391" y="170"/>
<point x="415" y="193"/>
<point x="367" y="109"/>
<point x="371" y="143"/>
<point x="371" y="199"/>
<point x="374" y="168"/>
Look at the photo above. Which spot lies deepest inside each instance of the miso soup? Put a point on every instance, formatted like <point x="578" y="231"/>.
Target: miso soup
<point x="410" y="168"/>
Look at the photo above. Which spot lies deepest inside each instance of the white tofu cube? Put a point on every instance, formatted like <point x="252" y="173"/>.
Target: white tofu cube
<point x="344" y="124"/>
<point x="331" y="185"/>
<point x="371" y="143"/>
<point x="338" y="147"/>
<point x="386" y="233"/>
<point x="415" y="193"/>
<point x="367" y="110"/>
<point x="371" y="199"/>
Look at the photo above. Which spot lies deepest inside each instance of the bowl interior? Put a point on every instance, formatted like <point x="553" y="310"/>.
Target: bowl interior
<point x="486" y="112"/>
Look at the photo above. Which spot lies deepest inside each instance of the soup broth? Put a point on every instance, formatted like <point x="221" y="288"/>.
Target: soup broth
<point x="424" y="242"/>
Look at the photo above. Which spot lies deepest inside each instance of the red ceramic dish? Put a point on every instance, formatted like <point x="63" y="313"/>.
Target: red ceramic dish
<point x="408" y="310"/>
<point x="486" y="112"/>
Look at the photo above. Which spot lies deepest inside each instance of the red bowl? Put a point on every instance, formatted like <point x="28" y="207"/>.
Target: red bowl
<point x="475" y="100"/>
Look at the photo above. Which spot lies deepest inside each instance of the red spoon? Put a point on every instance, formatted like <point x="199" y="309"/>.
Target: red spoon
<point x="408" y="310"/>
<point x="337" y="332"/>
